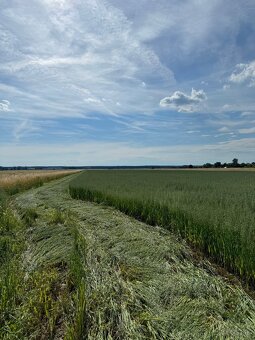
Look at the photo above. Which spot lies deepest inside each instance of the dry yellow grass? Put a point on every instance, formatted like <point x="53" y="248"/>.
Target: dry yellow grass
<point x="13" y="181"/>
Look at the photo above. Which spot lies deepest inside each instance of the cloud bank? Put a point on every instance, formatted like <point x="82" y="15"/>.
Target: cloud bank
<point x="101" y="153"/>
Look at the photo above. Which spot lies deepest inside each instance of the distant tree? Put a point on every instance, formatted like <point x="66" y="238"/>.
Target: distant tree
<point x="217" y="165"/>
<point x="207" y="165"/>
<point x="235" y="163"/>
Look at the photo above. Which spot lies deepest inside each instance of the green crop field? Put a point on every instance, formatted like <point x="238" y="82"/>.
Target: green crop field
<point x="214" y="211"/>
<point x="75" y="270"/>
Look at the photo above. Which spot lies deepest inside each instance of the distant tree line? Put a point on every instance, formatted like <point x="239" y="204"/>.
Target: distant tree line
<point x="233" y="164"/>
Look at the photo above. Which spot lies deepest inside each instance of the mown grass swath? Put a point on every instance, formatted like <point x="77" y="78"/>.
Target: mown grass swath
<point x="214" y="211"/>
<point x="27" y="302"/>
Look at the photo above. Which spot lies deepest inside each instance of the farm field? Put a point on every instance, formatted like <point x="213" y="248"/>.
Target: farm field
<point x="214" y="211"/>
<point x="127" y="170"/>
<point x="14" y="181"/>
<point x="80" y="270"/>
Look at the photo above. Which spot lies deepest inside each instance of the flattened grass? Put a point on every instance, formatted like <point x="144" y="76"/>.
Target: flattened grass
<point x="87" y="271"/>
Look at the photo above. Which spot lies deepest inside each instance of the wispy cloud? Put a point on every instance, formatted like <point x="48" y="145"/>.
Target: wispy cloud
<point x="24" y="128"/>
<point x="248" y="113"/>
<point x="247" y="131"/>
<point x="87" y="45"/>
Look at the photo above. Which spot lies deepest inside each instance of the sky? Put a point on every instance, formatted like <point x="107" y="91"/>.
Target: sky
<point x="113" y="82"/>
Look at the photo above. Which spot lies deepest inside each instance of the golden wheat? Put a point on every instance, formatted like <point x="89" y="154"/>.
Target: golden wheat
<point x="17" y="180"/>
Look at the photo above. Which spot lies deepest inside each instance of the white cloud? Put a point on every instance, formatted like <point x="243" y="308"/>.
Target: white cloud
<point x="183" y="102"/>
<point x="92" y="100"/>
<point x="244" y="73"/>
<point x="227" y="107"/>
<point x="247" y="131"/>
<point x="223" y="129"/>
<point x="226" y="86"/>
<point x="192" y="131"/>
<point x="248" y="113"/>
<point x="5" y="105"/>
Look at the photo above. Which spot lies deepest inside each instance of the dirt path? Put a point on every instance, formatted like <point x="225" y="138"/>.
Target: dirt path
<point x="131" y="280"/>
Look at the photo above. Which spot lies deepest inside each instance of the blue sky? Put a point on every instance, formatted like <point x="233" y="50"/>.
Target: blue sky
<point x="96" y="82"/>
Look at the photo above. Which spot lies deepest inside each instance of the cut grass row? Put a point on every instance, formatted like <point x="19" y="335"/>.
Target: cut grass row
<point x="214" y="211"/>
<point x="12" y="182"/>
<point x="35" y="286"/>
<point x="28" y="305"/>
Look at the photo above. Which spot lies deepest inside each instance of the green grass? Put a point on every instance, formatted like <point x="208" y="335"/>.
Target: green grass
<point x="35" y="285"/>
<point x="214" y="211"/>
<point x="87" y="271"/>
<point x="76" y="270"/>
<point x="33" y="259"/>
